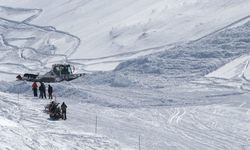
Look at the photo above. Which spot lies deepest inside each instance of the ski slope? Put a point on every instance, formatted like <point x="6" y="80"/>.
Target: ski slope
<point x="23" y="121"/>
<point x="194" y="116"/>
<point x="179" y="79"/>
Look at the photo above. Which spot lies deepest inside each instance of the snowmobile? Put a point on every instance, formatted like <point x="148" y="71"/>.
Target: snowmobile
<point x="58" y="73"/>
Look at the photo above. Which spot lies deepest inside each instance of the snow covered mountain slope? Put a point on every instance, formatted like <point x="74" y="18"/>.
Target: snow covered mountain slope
<point x="162" y="98"/>
<point x="125" y="26"/>
<point x="110" y="30"/>
<point x="198" y="58"/>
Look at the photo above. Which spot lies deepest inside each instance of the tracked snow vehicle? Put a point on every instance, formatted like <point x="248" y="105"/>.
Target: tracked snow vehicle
<point x="59" y="72"/>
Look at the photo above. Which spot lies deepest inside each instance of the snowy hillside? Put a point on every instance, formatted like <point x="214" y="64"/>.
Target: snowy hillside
<point x="179" y="80"/>
<point x="198" y="58"/>
<point x="112" y="31"/>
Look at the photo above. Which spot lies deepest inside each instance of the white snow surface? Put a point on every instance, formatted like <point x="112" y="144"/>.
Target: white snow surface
<point x="238" y="68"/>
<point x="192" y="94"/>
<point x="112" y="31"/>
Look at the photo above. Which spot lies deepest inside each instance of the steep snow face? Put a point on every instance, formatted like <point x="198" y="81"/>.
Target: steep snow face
<point x="111" y="27"/>
<point x="106" y="30"/>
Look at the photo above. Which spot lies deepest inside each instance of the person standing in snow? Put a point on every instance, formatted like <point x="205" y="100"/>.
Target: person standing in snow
<point x="41" y="91"/>
<point x="64" y="107"/>
<point x="34" y="89"/>
<point x="44" y="89"/>
<point x="50" y="91"/>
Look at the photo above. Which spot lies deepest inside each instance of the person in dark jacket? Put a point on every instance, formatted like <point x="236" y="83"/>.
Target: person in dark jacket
<point x="64" y="107"/>
<point x="50" y="91"/>
<point x="41" y="91"/>
<point x="34" y="89"/>
<point x="44" y="89"/>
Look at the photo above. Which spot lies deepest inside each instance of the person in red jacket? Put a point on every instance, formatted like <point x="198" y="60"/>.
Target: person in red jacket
<point x="34" y="88"/>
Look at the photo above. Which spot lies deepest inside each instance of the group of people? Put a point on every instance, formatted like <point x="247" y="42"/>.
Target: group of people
<point x="53" y="106"/>
<point x="57" y="112"/>
<point x="42" y="90"/>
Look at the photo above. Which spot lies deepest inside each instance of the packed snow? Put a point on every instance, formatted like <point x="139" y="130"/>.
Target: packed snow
<point x="161" y="75"/>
